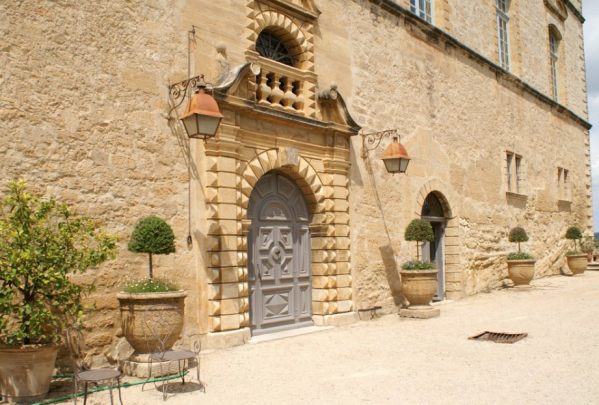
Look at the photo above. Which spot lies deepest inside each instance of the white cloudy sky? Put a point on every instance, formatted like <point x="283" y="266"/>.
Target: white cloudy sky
<point x="591" y="40"/>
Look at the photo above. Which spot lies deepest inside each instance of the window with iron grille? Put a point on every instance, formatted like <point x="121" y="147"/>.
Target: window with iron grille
<point x="554" y="59"/>
<point x="270" y="45"/>
<point x="423" y="9"/>
<point x="503" y="37"/>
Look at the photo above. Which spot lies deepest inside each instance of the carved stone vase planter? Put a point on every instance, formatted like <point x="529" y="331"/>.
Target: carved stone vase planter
<point x="26" y="371"/>
<point x="419" y="287"/>
<point x="133" y="307"/>
<point x="577" y="263"/>
<point x="521" y="272"/>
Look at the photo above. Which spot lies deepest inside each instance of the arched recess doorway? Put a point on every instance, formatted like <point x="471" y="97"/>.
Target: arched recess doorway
<point x="280" y="284"/>
<point x="432" y="211"/>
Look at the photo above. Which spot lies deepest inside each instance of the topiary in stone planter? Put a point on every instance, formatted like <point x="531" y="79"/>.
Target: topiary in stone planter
<point x="152" y="235"/>
<point x="521" y="265"/>
<point x="577" y="261"/>
<point x="419" y="278"/>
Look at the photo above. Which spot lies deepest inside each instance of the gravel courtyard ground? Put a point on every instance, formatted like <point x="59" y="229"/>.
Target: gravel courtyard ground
<point x="391" y="360"/>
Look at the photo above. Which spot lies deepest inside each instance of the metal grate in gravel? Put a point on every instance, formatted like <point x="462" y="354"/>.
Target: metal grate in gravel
<point x="499" y="337"/>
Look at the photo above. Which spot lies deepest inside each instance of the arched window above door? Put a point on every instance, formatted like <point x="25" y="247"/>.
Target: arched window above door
<point x="270" y="45"/>
<point x="432" y="207"/>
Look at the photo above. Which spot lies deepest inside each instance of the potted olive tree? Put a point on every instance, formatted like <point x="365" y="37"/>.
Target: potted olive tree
<point x="577" y="261"/>
<point x="419" y="277"/>
<point x="153" y="236"/>
<point x="520" y="265"/>
<point x="587" y="246"/>
<point x="42" y="243"/>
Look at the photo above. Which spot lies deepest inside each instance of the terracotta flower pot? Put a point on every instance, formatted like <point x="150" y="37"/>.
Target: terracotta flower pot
<point x="133" y="307"/>
<point x="577" y="263"/>
<point x="521" y="272"/>
<point x="419" y="286"/>
<point x="26" y="371"/>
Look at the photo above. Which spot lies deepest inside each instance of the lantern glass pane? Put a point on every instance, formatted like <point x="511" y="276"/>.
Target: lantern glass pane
<point x="191" y="125"/>
<point x="392" y="165"/>
<point x="403" y="165"/>
<point x="208" y="125"/>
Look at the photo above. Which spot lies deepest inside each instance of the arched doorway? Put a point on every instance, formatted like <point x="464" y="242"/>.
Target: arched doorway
<point x="432" y="211"/>
<point x="280" y="284"/>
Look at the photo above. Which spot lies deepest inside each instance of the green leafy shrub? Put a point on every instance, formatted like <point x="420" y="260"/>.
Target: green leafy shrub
<point x="518" y="235"/>
<point x="42" y="243"/>
<point x="520" y="256"/>
<point x="154" y="236"/>
<point x="574" y="233"/>
<point x="573" y="253"/>
<point x="150" y="286"/>
<point x="419" y="265"/>
<point x="418" y="231"/>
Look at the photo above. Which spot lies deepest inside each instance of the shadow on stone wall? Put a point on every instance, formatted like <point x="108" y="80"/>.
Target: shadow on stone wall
<point x="392" y="273"/>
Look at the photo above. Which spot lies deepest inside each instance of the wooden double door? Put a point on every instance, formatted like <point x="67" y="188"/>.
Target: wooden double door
<point x="280" y="284"/>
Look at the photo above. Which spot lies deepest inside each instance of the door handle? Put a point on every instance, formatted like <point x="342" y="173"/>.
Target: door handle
<point x="259" y="272"/>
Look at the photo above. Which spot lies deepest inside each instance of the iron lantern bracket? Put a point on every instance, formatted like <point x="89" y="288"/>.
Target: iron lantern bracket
<point x="180" y="91"/>
<point x="374" y="140"/>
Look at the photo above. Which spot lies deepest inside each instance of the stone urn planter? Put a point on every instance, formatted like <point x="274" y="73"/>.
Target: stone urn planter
<point x="26" y="371"/>
<point x="133" y="307"/>
<point x="577" y="263"/>
<point x="419" y="286"/>
<point x="521" y="272"/>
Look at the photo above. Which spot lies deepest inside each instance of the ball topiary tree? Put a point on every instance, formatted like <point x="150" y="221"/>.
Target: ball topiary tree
<point x="154" y="236"/>
<point x="518" y="235"/>
<point x="419" y="231"/>
<point x="574" y="233"/>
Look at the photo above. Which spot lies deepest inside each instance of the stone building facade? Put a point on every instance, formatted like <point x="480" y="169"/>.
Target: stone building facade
<point x="292" y="222"/>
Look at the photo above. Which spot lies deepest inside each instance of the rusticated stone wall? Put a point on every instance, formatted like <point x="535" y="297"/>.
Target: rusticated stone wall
<point x="83" y="107"/>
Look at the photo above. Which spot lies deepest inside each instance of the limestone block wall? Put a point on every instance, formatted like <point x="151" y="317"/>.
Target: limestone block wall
<point x="82" y="117"/>
<point x="457" y="120"/>
<point x="474" y="24"/>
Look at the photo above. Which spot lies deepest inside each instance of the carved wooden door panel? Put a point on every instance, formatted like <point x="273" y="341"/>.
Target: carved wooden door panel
<point x="279" y="258"/>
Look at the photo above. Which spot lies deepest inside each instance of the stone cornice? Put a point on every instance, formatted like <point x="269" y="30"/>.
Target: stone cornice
<point x="576" y="11"/>
<point x="554" y="9"/>
<point x="451" y="42"/>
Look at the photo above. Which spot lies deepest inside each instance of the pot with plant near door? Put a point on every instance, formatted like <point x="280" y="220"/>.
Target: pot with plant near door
<point x="587" y="246"/>
<point x="577" y="261"/>
<point x="520" y="265"/>
<point x="419" y="277"/>
<point x="152" y="235"/>
<point x="42" y="245"/>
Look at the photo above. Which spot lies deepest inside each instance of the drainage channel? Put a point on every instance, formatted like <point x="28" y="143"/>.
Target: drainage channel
<point x="499" y="337"/>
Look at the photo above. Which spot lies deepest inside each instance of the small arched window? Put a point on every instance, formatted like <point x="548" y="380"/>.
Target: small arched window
<point x="270" y="45"/>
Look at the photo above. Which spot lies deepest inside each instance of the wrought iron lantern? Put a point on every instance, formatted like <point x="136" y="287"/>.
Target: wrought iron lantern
<point x="202" y="117"/>
<point x="396" y="157"/>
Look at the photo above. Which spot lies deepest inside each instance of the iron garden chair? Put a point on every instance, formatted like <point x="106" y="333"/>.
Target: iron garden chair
<point x="160" y="324"/>
<point x="81" y="373"/>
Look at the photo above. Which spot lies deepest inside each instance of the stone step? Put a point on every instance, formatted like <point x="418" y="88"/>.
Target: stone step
<point x="593" y="266"/>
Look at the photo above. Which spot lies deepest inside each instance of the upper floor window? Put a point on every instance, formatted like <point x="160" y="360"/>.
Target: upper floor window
<point x="423" y="9"/>
<point x="271" y="46"/>
<point x="563" y="184"/>
<point x="554" y="57"/>
<point x="515" y="173"/>
<point x="503" y="37"/>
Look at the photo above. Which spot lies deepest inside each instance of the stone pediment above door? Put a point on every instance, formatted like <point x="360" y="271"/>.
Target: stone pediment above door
<point x="250" y="87"/>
